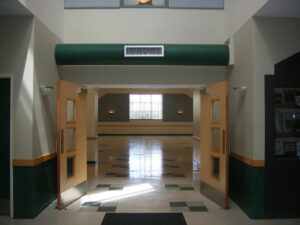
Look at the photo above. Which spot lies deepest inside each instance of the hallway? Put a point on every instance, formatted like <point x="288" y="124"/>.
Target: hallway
<point x="144" y="174"/>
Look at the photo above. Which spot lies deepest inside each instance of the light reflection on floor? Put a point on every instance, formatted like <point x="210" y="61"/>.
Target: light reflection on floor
<point x="146" y="157"/>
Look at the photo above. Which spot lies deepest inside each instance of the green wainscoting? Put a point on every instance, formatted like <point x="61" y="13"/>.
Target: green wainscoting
<point x="246" y="187"/>
<point x="34" y="188"/>
<point x="113" y="54"/>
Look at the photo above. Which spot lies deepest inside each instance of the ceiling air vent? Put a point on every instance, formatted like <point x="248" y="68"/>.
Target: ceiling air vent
<point x="144" y="51"/>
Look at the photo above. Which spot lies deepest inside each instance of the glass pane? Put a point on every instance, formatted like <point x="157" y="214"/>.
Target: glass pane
<point x="215" y="133"/>
<point x="139" y="3"/>
<point x="216" y="167"/>
<point x="145" y="107"/>
<point x="70" y="166"/>
<point x="70" y="110"/>
<point x="70" y="138"/>
<point x="216" y="111"/>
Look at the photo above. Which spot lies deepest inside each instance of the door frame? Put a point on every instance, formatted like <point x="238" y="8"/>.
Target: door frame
<point x="11" y="77"/>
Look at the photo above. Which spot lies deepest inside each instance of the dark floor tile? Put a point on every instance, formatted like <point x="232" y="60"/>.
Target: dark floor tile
<point x="115" y="188"/>
<point x="179" y="204"/>
<point x="103" y="185"/>
<point x="178" y="175"/>
<point x="107" y="209"/>
<point x="122" y="175"/>
<point x="111" y="174"/>
<point x="186" y="188"/>
<point x="171" y="185"/>
<point x="91" y="204"/>
<point x="198" y="208"/>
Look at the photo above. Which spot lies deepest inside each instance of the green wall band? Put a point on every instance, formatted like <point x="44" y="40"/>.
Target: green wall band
<point x="112" y="54"/>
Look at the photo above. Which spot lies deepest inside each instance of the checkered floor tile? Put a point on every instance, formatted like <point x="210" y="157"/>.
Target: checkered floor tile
<point x="117" y="174"/>
<point x="195" y="206"/>
<point x="181" y="187"/>
<point x="173" y="175"/>
<point x="170" y="166"/>
<point x="110" y="187"/>
<point x="120" y="166"/>
<point x="99" y="207"/>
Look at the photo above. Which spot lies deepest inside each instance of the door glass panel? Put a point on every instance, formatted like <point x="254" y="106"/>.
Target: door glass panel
<point x="216" y="167"/>
<point x="70" y="110"/>
<point x="215" y="134"/>
<point x="215" y="111"/>
<point x="70" y="138"/>
<point x="70" y="166"/>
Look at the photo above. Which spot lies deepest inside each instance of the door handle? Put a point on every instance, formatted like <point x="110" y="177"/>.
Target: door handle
<point x="223" y="141"/>
<point x="62" y="141"/>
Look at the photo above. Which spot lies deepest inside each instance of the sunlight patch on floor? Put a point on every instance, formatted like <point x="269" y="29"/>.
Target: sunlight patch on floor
<point x="127" y="192"/>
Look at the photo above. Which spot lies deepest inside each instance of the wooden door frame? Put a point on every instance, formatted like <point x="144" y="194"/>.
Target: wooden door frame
<point x="10" y="76"/>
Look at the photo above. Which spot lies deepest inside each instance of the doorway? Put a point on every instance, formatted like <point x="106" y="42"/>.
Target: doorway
<point x="5" y="146"/>
<point x="124" y="156"/>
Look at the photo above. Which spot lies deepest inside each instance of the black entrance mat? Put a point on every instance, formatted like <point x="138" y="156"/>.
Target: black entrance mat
<point x="143" y="219"/>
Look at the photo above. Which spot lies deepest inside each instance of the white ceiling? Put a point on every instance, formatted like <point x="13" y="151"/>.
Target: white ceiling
<point x="280" y="8"/>
<point x="12" y="8"/>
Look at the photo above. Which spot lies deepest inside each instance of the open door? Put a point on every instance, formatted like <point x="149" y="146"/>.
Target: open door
<point x="71" y="143"/>
<point x="214" y="143"/>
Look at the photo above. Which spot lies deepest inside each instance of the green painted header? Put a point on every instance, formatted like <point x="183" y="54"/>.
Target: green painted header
<point x="113" y="54"/>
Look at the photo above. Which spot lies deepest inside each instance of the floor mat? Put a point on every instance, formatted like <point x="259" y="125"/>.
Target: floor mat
<point x="143" y="219"/>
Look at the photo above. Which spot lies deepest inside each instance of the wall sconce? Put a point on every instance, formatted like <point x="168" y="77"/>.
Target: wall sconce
<point x="45" y="89"/>
<point x="111" y="111"/>
<point x="179" y="112"/>
<point x="242" y="90"/>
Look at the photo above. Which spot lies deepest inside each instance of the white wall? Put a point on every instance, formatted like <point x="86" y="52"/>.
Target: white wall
<point x="259" y="44"/>
<point x="142" y="74"/>
<point x="27" y="52"/>
<point x="274" y="40"/>
<point x="50" y="12"/>
<point x="45" y="73"/>
<point x="16" y="58"/>
<point x="240" y="107"/>
<point x="238" y="12"/>
<point x="144" y="26"/>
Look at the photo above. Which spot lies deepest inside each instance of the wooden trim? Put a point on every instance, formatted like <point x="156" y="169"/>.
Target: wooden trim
<point x="248" y="161"/>
<point x="34" y="162"/>
<point x="92" y="138"/>
<point x="196" y="138"/>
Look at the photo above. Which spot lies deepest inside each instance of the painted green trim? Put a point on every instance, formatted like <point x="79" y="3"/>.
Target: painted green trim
<point x="34" y="188"/>
<point x="246" y="187"/>
<point x="166" y="5"/>
<point x="113" y="54"/>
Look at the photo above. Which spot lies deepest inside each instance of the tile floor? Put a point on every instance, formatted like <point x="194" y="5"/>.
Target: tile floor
<point x="145" y="188"/>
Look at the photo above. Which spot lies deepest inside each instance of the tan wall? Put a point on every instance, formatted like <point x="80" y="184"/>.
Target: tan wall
<point x="238" y="12"/>
<point x="50" y="13"/>
<point x="144" y="26"/>
<point x="145" y="127"/>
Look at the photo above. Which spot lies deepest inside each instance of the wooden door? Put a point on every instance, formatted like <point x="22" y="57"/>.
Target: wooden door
<point x="214" y="143"/>
<point x="71" y="143"/>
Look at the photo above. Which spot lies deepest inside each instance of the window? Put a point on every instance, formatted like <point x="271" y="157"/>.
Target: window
<point x="145" y="107"/>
